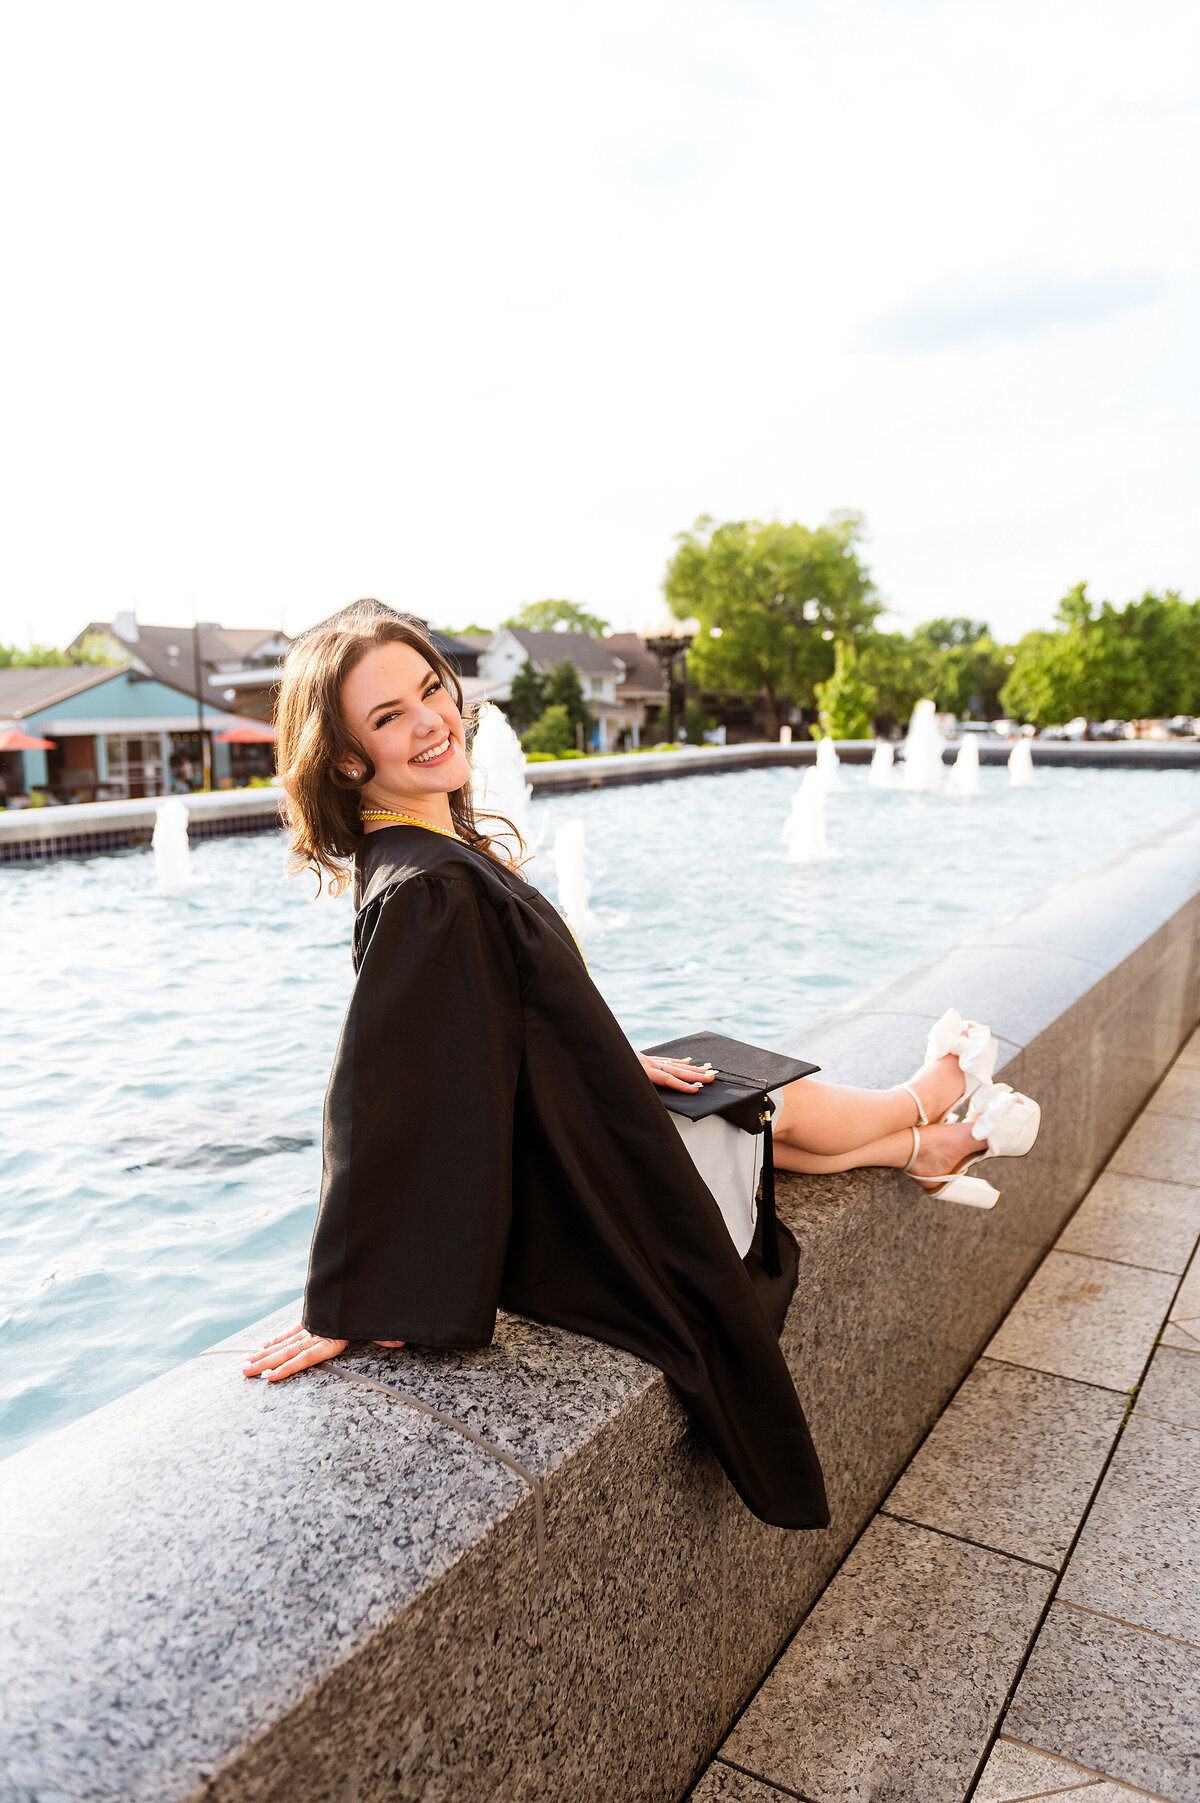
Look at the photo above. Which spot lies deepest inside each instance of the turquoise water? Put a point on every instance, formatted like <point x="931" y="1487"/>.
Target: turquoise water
<point x="164" y="1058"/>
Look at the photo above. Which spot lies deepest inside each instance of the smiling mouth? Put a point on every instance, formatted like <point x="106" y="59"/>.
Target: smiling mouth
<point x="434" y="754"/>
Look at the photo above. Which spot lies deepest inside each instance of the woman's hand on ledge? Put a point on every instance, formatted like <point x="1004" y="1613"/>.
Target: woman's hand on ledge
<point x="674" y="1073"/>
<point x="290" y="1352"/>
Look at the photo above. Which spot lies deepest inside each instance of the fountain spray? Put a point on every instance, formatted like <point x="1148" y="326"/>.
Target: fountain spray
<point x="964" y="778"/>
<point x="804" y="828"/>
<point x="498" y="784"/>
<point x="570" y="869"/>
<point x="172" y="853"/>
<point x="883" y="760"/>
<point x="1020" y="765"/>
<point x="923" y="768"/>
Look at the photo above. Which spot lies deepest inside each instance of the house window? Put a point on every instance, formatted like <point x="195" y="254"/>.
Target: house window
<point x="134" y="763"/>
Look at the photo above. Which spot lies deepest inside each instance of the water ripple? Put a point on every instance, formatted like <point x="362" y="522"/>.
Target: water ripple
<point x="164" y="1058"/>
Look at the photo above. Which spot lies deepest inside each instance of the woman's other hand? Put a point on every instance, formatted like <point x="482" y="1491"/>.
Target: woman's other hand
<point x="675" y="1073"/>
<point x="290" y="1352"/>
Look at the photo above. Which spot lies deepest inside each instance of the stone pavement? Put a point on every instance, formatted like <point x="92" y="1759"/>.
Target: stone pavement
<point x="1022" y="1617"/>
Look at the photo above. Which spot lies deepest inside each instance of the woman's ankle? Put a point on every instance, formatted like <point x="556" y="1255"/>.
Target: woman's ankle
<point x="942" y="1147"/>
<point x="939" y="1085"/>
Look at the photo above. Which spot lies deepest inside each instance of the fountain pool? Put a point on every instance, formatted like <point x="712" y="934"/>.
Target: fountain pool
<point x="164" y="1055"/>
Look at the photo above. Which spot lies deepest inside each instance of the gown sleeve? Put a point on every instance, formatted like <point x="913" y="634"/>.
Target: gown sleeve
<point x="416" y="1194"/>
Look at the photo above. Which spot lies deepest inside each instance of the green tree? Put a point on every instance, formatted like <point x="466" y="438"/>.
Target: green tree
<point x="564" y="689"/>
<point x="553" y="732"/>
<point x="968" y="678"/>
<point x="899" y="672"/>
<point x="97" y="648"/>
<point x="771" y="599"/>
<point x="1166" y="629"/>
<point x="528" y="696"/>
<point x="950" y="633"/>
<point x="845" y="701"/>
<point x="697" y="720"/>
<point x="558" y="616"/>
<point x="466" y="632"/>
<point x="36" y="658"/>
<point x="1093" y="667"/>
<point x="964" y="668"/>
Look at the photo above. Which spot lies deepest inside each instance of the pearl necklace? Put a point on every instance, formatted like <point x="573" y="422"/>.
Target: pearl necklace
<point x="409" y="819"/>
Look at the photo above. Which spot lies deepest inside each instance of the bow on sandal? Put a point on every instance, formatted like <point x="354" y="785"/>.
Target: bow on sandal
<point x="976" y="1048"/>
<point x="1006" y="1122"/>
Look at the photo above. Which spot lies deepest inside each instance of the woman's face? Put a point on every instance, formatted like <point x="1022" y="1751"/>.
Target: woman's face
<point x="401" y="714"/>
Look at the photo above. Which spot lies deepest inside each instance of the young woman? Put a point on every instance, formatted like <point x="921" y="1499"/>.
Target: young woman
<point x="492" y="1139"/>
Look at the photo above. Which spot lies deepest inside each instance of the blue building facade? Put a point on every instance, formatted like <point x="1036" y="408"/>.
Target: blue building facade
<point x="116" y="734"/>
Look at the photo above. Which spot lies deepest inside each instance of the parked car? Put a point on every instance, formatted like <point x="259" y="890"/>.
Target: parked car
<point x="1107" y="729"/>
<point x="1182" y="726"/>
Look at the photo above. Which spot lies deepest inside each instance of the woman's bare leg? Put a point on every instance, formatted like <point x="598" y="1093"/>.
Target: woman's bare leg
<point x="941" y="1149"/>
<point x="830" y="1118"/>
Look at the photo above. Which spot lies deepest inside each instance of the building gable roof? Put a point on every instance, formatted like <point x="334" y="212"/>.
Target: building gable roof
<point x="26" y="691"/>
<point x="168" y="652"/>
<point x="550" y="648"/>
<point x="643" y="672"/>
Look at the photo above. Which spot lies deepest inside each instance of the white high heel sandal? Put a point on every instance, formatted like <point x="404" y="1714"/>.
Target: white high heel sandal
<point x="976" y="1048"/>
<point x="1007" y="1123"/>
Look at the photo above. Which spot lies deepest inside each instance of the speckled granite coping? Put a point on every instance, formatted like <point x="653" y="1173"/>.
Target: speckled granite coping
<point x="309" y="1594"/>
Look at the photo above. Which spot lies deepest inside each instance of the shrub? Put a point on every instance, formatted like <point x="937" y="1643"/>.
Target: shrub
<point x="553" y="732"/>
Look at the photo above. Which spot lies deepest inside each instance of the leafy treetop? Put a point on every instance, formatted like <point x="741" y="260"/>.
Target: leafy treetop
<point x="97" y="648"/>
<point x="558" y="616"/>
<point x="771" y="598"/>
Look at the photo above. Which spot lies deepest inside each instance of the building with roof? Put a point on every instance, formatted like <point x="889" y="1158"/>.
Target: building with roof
<point x="116" y="733"/>
<point x="621" y="681"/>
<point x="237" y="669"/>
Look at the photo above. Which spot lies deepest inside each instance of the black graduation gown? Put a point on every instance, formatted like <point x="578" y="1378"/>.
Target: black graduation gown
<point x="490" y="1139"/>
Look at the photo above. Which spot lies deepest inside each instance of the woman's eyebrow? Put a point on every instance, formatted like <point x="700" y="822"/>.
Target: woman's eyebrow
<point x="399" y="703"/>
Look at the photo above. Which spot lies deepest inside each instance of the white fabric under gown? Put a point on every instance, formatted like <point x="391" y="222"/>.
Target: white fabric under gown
<point x="730" y="1162"/>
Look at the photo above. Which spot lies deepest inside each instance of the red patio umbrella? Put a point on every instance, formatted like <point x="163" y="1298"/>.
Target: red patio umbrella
<point x="254" y="732"/>
<point x="14" y="740"/>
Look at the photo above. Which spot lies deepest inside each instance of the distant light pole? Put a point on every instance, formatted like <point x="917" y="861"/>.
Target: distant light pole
<point x="205" y="779"/>
<point x="671" y="646"/>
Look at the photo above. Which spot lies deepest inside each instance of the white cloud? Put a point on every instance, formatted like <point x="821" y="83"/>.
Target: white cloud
<point x="985" y="309"/>
<point x="465" y="306"/>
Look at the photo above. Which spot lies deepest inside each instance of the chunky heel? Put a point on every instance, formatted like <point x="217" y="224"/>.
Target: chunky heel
<point x="972" y="1191"/>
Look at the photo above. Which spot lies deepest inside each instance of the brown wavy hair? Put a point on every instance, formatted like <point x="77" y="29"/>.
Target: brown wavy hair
<point x="321" y="804"/>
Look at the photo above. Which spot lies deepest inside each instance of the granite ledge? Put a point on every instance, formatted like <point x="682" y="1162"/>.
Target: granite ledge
<point x="313" y="1539"/>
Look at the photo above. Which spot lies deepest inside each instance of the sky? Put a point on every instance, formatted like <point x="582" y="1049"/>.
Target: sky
<point x="466" y="306"/>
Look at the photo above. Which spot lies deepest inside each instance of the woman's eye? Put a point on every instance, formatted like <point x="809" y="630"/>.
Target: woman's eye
<point x="433" y="688"/>
<point x="383" y="720"/>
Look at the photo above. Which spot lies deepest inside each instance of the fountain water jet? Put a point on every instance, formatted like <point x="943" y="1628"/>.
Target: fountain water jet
<point x="923" y="769"/>
<point x="964" y="778"/>
<point x="498" y="784"/>
<point x="1020" y="765"/>
<point x="172" y="853"/>
<point x="883" y="760"/>
<point x="829" y="766"/>
<point x="570" y="869"/>
<point x="804" y="828"/>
